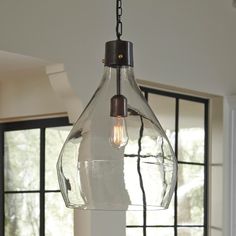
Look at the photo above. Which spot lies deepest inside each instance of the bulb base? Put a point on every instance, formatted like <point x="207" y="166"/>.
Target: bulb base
<point x="118" y="106"/>
<point x="119" y="53"/>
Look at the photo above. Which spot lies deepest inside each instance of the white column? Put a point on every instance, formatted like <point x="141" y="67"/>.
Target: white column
<point x="99" y="223"/>
<point x="61" y="85"/>
<point x="86" y="223"/>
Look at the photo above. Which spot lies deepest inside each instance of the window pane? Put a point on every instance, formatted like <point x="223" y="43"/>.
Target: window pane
<point x="190" y="208"/>
<point x="190" y="194"/>
<point x="58" y="218"/>
<point x="22" y="214"/>
<point x="150" y="231"/>
<point x="164" y="109"/>
<point x="191" y="131"/>
<point x="134" y="232"/>
<point x="160" y="231"/>
<point x="162" y="217"/>
<point x="190" y="232"/>
<point x="21" y="160"/>
<point x="55" y="138"/>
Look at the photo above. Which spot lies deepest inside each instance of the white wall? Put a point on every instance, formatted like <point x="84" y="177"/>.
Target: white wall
<point x="184" y="43"/>
<point x="28" y="97"/>
<point x="187" y="43"/>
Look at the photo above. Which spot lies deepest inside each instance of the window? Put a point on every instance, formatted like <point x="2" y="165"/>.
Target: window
<point x="185" y="120"/>
<point x="29" y="194"/>
<point x="31" y="203"/>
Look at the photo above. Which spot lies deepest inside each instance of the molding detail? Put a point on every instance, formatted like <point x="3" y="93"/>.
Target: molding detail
<point x="61" y="85"/>
<point x="232" y="143"/>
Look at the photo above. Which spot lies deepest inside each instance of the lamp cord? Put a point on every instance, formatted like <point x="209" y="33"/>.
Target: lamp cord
<point x="118" y="85"/>
<point x="119" y="26"/>
<point x="119" y="30"/>
<point x="118" y="35"/>
<point x="141" y="178"/>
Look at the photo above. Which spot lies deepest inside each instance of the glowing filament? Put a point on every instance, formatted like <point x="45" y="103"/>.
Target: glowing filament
<point x="119" y="136"/>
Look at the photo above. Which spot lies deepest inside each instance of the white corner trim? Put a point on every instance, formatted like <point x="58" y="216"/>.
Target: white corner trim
<point x="232" y="152"/>
<point x="233" y="172"/>
<point x="55" y="68"/>
<point x="61" y="85"/>
<point x="232" y="102"/>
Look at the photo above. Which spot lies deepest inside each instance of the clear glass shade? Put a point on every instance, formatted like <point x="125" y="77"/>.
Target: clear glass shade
<point x="113" y="163"/>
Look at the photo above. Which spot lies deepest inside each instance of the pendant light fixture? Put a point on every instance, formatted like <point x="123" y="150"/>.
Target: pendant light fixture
<point x="117" y="156"/>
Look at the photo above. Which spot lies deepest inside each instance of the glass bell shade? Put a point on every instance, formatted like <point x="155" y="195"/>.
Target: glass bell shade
<point x="117" y="163"/>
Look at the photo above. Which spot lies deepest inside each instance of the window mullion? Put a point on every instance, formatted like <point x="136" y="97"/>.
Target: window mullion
<point x="206" y="148"/>
<point x="176" y="154"/>
<point x="42" y="182"/>
<point x="2" y="211"/>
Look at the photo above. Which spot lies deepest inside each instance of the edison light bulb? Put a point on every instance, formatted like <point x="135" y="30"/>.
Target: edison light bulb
<point x="119" y="135"/>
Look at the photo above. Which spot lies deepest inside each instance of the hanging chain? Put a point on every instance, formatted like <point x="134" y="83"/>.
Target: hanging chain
<point x="119" y="26"/>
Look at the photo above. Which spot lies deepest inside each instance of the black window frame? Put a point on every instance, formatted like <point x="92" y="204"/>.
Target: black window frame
<point x="179" y="96"/>
<point x="42" y="124"/>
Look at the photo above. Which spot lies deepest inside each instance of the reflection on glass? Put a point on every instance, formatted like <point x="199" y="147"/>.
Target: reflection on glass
<point x="55" y="138"/>
<point x="190" y="231"/>
<point x="21" y="167"/>
<point x="164" y="109"/>
<point x="22" y="214"/>
<point x="190" y="194"/>
<point x="191" y="131"/>
<point x="58" y="219"/>
<point x="163" y="217"/>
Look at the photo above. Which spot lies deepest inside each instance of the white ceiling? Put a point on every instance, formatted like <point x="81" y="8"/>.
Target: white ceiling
<point x="18" y="66"/>
<point x="186" y="44"/>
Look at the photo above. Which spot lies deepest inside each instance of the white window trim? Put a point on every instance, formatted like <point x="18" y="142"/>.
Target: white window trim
<point x="232" y="167"/>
